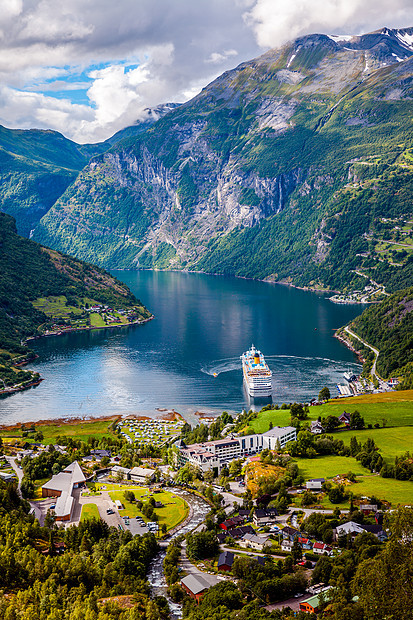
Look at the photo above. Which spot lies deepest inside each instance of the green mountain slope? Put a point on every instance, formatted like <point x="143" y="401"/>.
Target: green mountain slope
<point x="35" y="169"/>
<point x="29" y="274"/>
<point x="36" y="166"/>
<point x="389" y="327"/>
<point x="290" y="167"/>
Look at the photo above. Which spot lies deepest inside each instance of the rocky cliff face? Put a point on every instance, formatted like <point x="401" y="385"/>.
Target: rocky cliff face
<point x="247" y="177"/>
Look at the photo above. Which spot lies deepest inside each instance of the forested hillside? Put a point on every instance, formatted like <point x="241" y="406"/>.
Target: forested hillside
<point x="37" y="166"/>
<point x="389" y="327"/>
<point x="28" y="272"/>
<point x="296" y="166"/>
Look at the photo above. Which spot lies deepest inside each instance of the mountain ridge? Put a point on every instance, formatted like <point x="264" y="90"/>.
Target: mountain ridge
<point x="258" y="159"/>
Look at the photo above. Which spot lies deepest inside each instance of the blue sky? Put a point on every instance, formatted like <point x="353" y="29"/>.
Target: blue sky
<point x="90" y="68"/>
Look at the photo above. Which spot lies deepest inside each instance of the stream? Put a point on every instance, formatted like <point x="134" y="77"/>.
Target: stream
<point x="155" y="576"/>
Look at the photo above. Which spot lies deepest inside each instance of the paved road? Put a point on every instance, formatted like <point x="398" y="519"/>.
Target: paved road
<point x="366" y="344"/>
<point x="191" y="569"/>
<point x="230" y="500"/>
<point x="19" y="472"/>
<point x="39" y="508"/>
<point x="250" y="552"/>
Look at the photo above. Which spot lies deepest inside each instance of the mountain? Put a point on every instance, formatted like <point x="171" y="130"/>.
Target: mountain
<point x="36" y="166"/>
<point x="30" y="273"/>
<point x="288" y="167"/>
<point x="388" y="327"/>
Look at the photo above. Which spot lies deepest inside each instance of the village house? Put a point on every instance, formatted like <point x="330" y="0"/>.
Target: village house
<point x="195" y="586"/>
<point x="229" y="524"/>
<point x="354" y="529"/>
<point x="367" y="509"/>
<point x="287" y="545"/>
<point x="322" y="549"/>
<point x="316" y="427"/>
<point x="225" y="561"/>
<point x="264" y="516"/>
<point x="142" y="474"/>
<point x="315" y="484"/>
<point x="311" y="605"/>
<point x="305" y="543"/>
<point x="344" y="418"/>
<point x="251" y="541"/>
<point x="289" y="533"/>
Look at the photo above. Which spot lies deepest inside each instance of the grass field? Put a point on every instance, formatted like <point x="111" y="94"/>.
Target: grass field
<point x="81" y="430"/>
<point x="277" y="417"/>
<point x="329" y="466"/>
<point x="96" y="320"/>
<point x="392" y="442"/>
<point x="394" y="491"/>
<point x="174" y="511"/>
<point x="55" y="306"/>
<point x="89" y="511"/>
<point x="395" y="407"/>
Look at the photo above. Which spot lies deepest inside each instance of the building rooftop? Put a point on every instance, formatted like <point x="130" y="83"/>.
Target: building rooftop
<point x="142" y="471"/>
<point x="226" y="558"/>
<point x="279" y="431"/>
<point x="195" y="583"/>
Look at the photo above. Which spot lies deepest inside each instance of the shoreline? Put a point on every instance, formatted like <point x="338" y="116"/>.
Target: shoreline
<point x="72" y="330"/>
<point x="267" y="279"/>
<point x="167" y="415"/>
<point x="348" y="344"/>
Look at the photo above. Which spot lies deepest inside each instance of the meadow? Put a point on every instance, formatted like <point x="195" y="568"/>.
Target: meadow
<point x="395" y="408"/>
<point x="174" y="510"/>
<point x="89" y="511"/>
<point x="393" y="441"/>
<point x="78" y="429"/>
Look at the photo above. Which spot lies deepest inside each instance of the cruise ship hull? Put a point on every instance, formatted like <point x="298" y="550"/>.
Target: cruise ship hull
<point x="257" y="375"/>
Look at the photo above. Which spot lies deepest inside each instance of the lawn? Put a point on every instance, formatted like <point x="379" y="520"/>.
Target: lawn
<point x="96" y="320"/>
<point x="279" y="417"/>
<point x="38" y="487"/>
<point x="174" y="511"/>
<point x="395" y="407"/>
<point x="329" y="466"/>
<point x="392" y="442"/>
<point x="89" y="511"/>
<point x="81" y="430"/>
<point x="55" y="306"/>
<point x="394" y="491"/>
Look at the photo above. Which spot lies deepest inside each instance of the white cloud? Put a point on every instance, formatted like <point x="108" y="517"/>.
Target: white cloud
<point x="142" y="53"/>
<point x="277" y="21"/>
<point x="218" y="57"/>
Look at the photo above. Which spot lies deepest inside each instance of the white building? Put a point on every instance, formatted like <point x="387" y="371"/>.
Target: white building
<point x="251" y="541"/>
<point x="141" y="474"/>
<point x="61" y="486"/>
<point x="215" y="454"/>
<point x="315" y="484"/>
<point x="280" y="435"/>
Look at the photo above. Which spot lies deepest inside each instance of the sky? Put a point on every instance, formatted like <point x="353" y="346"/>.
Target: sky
<point x="88" y="68"/>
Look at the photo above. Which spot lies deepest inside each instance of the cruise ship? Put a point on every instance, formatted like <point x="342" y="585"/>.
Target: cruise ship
<point x="257" y="375"/>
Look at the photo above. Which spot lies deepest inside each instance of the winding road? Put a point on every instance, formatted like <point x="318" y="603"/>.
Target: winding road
<point x="366" y="344"/>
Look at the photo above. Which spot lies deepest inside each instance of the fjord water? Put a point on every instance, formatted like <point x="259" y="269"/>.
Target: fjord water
<point x="202" y="325"/>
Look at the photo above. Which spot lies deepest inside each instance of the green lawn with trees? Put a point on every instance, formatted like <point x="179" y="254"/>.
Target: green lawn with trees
<point x="89" y="511"/>
<point x="174" y="509"/>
